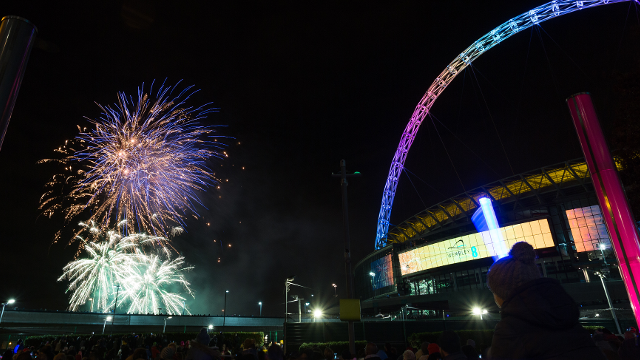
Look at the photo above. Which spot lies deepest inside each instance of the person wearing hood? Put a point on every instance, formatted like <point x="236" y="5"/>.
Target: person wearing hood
<point x="538" y="318"/>
<point x="200" y="349"/>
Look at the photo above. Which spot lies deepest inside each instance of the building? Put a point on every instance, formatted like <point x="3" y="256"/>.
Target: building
<point x="435" y="264"/>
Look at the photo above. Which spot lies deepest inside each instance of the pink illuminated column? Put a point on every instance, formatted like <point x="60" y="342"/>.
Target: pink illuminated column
<point x="615" y="209"/>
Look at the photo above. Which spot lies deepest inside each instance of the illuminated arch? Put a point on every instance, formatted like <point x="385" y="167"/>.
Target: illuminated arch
<point x="542" y="13"/>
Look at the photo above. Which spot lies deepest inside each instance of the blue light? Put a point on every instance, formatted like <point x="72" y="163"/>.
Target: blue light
<point x="489" y="214"/>
<point x="498" y="242"/>
<point x="493" y="227"/>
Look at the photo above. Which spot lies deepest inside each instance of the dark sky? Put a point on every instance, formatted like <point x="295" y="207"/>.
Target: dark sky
<point x="300" y="86"/>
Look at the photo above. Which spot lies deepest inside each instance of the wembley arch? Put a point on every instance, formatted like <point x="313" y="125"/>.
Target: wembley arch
<point x="524" y="21"/>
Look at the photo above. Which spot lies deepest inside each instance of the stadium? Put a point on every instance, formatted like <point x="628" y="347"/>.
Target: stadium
<point x="435" y="264"/>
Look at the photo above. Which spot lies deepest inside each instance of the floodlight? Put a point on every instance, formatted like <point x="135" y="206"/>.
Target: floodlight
<point x="317" y="313"/>
<point x="476" y="311"/>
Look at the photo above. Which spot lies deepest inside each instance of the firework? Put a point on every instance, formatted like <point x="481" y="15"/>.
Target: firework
<point x="148" y="289"/>
<point x="146" y="282"/>
<point x="94" y="276"/>
<point x="143" y="161"/>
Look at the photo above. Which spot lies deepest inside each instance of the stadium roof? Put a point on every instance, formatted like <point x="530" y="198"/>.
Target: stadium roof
<point x="511" y="189"/>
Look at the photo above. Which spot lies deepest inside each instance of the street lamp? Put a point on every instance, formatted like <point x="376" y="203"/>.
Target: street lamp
<point x="224" y="312"/>
<point x="260" y="303"/>
<point x="210" y="327"/>
<point x="115" y="306"/>
<point x="108" y="318"/>
<point x="91" y="299"/>
<point x="602" y="247"/>
<point x="165" y="323"/>
<point x="9" y="302"/>
<point x="478" y="311"/>
<point x="373" y="275"/>
<point x="317" y="313"/>
<point x="335" y="288"/>
<point x="305" y="307"/>
<point x="606" y="293"/>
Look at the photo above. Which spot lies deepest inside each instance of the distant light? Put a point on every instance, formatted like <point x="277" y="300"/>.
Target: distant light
<point x="229" y="245"/>
<point x="210" y="327"/>
<point x="603" y="246"/>
<point x="372" y="273"/>
<point x="484" y="311"/>
<point x="306" y="304"/>
<point x="311" y="295"/>
<point x="317" y="313"/>
<point x="260" y="303"/>
<point x="227" y="291"/>
<point x="11" y="301"/>
<point x="597" y="315"/>
<point x="476" y="311"/>
<point x="109" y="318"/>
<point x="169" y="317"/>
<point x="334" y="285"/>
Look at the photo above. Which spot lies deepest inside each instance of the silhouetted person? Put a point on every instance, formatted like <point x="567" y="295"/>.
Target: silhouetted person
<point x="200" y="350"/>
<point x="371" y="352"/>
<point x="539" y="320"/>
<point x="449" y="343"/>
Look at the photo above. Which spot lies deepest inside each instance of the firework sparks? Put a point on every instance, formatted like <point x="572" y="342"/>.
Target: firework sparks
<point x="147" y="282"/>
<point x="94" y="276"/>
<point x="142" y="160"/>
<point x="148" y="287"/>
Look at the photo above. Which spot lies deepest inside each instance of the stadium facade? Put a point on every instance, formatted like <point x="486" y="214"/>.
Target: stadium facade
<point x="435" y="263"/>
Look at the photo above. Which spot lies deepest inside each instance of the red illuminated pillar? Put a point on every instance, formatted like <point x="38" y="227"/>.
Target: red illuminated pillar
<point x="615" y="208"/>
<point x="17" y="36"/>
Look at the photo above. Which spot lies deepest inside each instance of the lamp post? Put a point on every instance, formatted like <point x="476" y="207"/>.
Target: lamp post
<point x="606" y="292"/>
<point x="224" y="311"/>
<point x="115" y="307"/>
<point x="184" y="306"/>
<point x="478" y="311"/>
<point x="108" y="318"/>
<point x="91" y="299"/>
<point x="373" y="275"/>
<point x="305" y="307"/>
<point x="260" y="303"/>
<point x="165" y="323"/>
<point x="602" y="247"/>
<point x="9" y="302"/>
<point x="335" y="289"/>
<point x="317" y="313"/>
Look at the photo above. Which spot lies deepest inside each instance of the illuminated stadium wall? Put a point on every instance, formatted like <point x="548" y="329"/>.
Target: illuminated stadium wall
<point x="382" y="272"/>
<point x="439" y="249"/>
<point x="475" y="246"/>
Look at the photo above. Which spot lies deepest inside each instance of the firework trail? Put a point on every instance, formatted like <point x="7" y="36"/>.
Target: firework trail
<point x="146" y="281"/>
<point x="143" y="160"/>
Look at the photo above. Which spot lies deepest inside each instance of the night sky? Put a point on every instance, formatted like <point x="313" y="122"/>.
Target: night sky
<point x="300" y="86"/>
